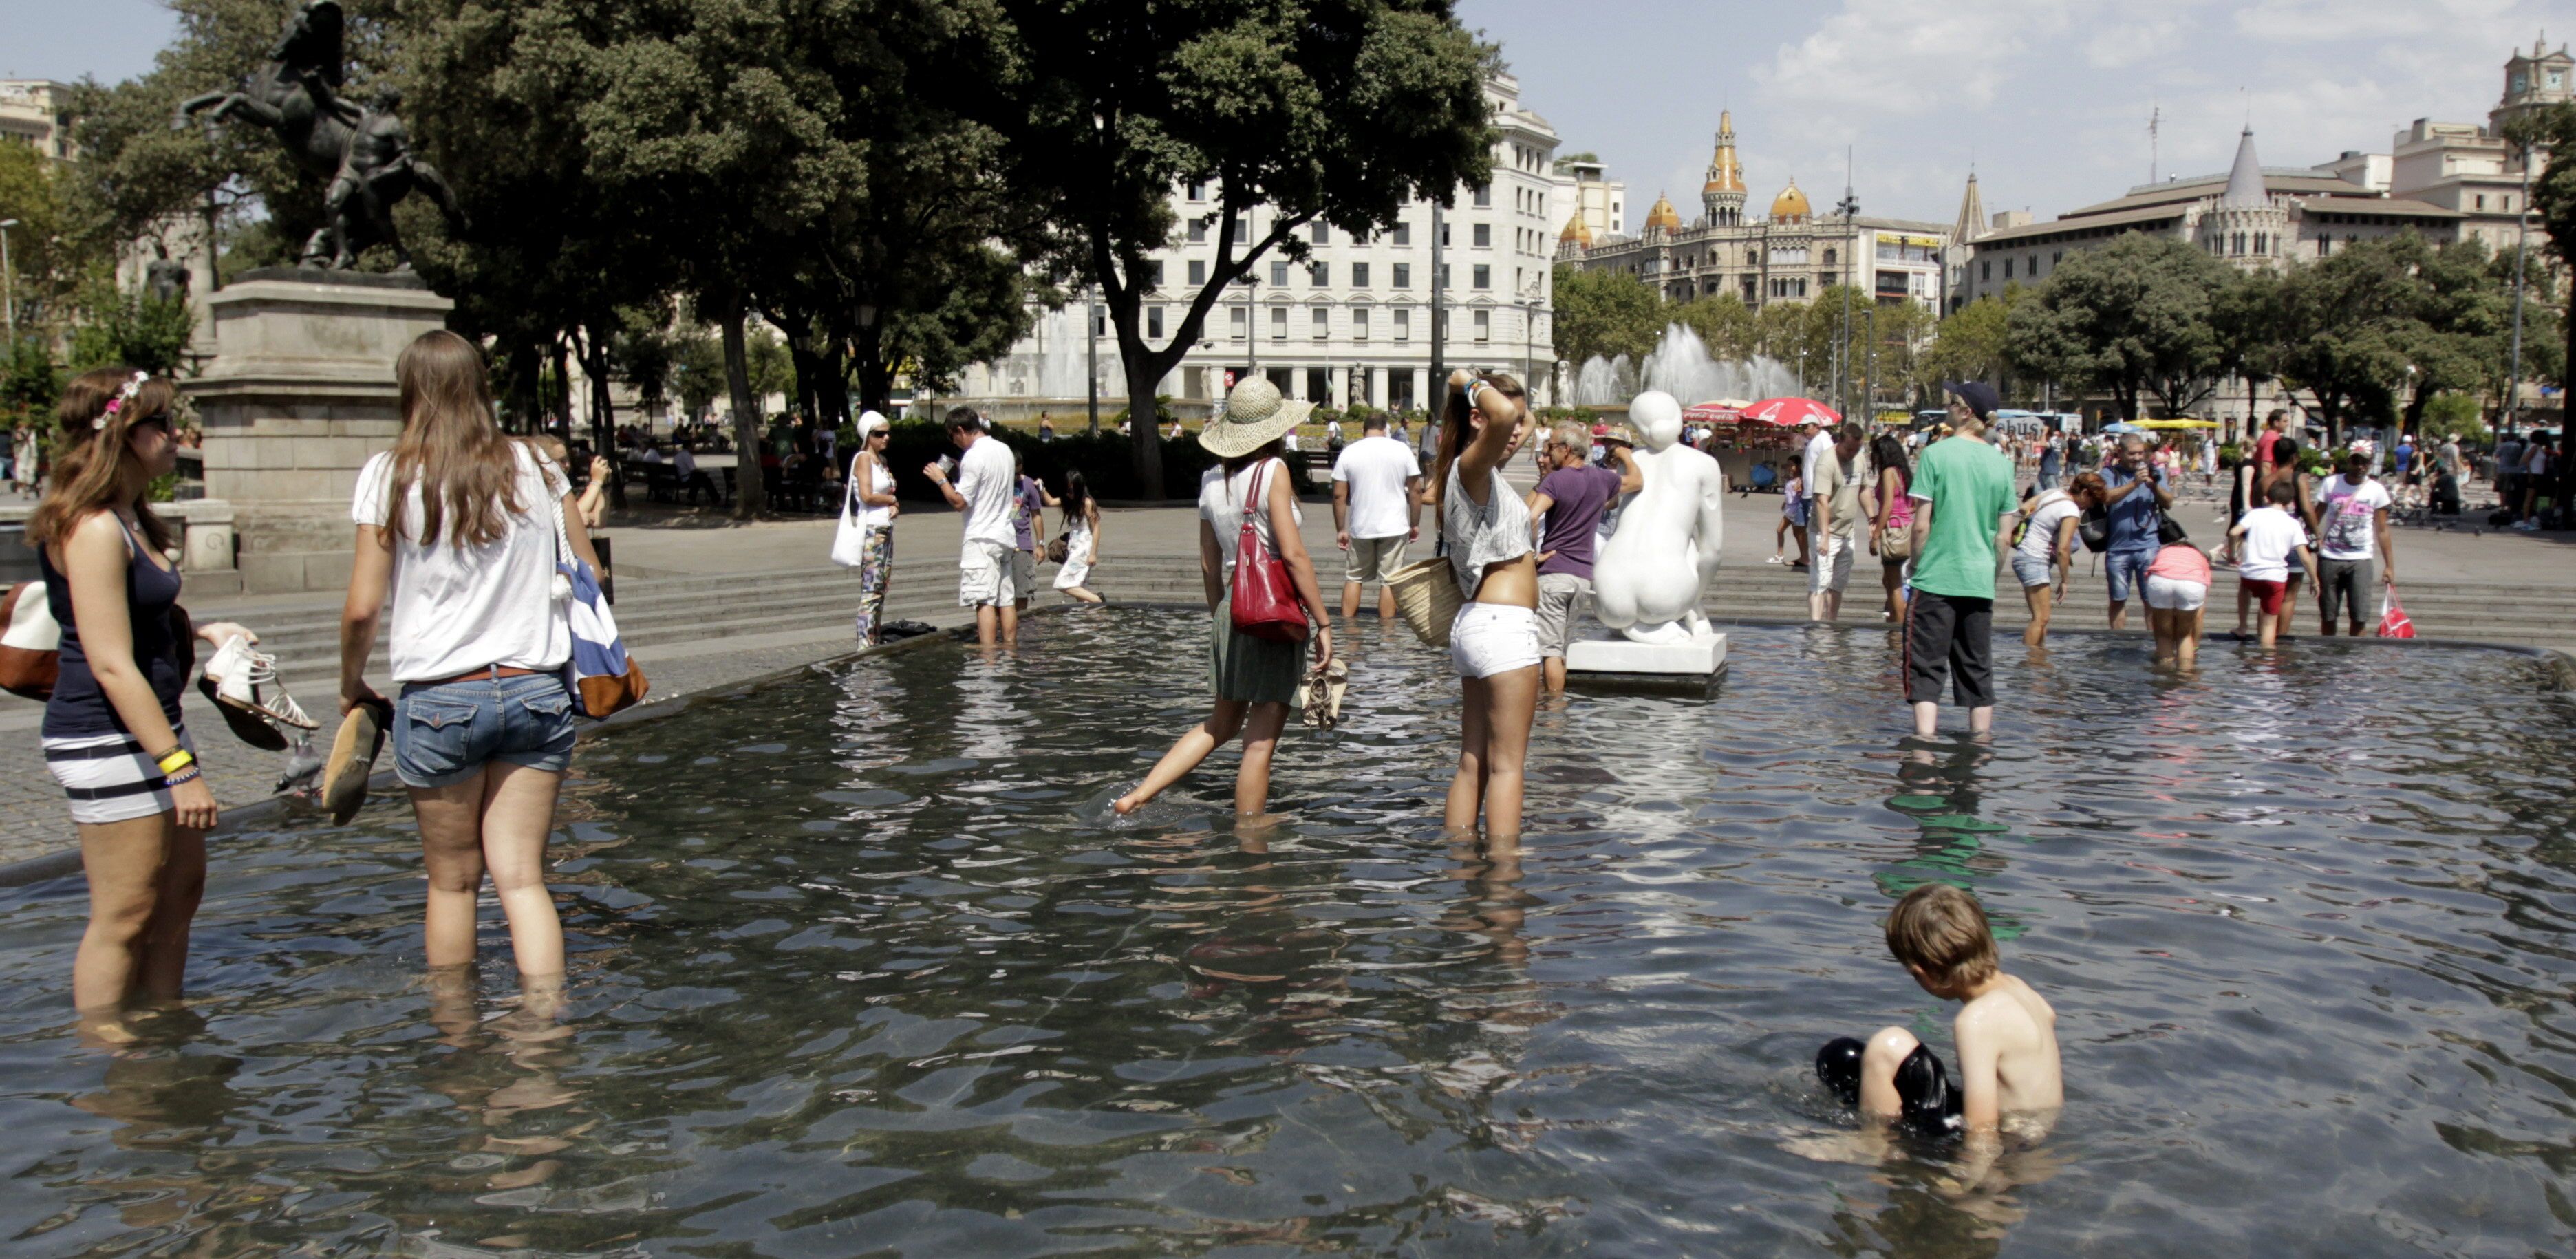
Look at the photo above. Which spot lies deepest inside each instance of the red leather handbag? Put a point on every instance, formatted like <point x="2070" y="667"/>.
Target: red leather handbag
<point x="1264" y="603"/>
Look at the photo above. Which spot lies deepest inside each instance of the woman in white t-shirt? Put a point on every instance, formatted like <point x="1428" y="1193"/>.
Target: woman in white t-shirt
<point x="462" y="526"/>
<point x="2048" y="543"/>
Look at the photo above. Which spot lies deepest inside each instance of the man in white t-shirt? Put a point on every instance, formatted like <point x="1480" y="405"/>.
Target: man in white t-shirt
<point x="2352" y="531"/>
<point x="2268" y="538"/>
<point x="986" y="492"/>
<point x="1377" y="507"/>
<point x="1814" y="444"/>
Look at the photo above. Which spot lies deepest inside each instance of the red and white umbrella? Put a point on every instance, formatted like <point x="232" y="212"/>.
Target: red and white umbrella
<point x="1720" y="412"/>
<point x="1790" y="412"/>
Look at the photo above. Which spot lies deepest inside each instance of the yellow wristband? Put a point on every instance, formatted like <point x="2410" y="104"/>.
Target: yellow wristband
<point x="176" y="760"/>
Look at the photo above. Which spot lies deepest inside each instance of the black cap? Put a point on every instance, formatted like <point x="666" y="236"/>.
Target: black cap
<point x="1979" y="396"/>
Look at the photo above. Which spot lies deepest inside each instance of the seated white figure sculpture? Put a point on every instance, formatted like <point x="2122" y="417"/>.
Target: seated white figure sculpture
<point x="1647" y="579"/>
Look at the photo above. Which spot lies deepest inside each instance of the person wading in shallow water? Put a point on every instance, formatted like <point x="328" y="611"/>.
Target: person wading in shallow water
<point x="459" y="524"/>
<point x="1493" y="640"/>
<point x="1255" y="679"/>
<point x="986" y="479"/>
<point x="112" y="735"/>
<point x="1963" y="507"/>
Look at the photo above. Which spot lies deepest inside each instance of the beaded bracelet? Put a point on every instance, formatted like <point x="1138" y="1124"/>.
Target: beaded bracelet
<point x="187" y="775"/>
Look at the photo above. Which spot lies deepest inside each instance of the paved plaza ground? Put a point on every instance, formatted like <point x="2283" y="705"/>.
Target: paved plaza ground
<point x="710" y="604"/>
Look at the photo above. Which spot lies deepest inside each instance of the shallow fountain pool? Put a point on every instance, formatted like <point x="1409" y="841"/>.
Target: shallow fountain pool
<point x="860" y="968"/>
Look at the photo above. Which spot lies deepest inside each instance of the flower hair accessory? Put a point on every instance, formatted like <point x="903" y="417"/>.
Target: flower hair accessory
<point x="123" y="395"/>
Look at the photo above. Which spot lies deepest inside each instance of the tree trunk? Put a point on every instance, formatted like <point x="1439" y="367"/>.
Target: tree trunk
<point x="1148" y="436"/>
<point x="603" y="421"/>
<point x="749" y="493"/>
<point x="807" y="365"/>
<point x="562" y="425"/>
<point x="832" y="384"/>
<point x="526" y="365"/>
<point x="876" y="379"/>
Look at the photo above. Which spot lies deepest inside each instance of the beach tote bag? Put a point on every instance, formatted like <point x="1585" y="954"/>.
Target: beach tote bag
<point x="2393" y="621"/>
<point x="850" y="540"/>
<point x="30" y="642"/>
<point x="600" y="676"/>
<point x="1264" y="603"/>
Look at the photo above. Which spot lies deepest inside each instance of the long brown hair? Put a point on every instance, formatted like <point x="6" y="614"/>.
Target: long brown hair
<point x="451" y="446"/>
<point x="92" y="459"/>
<point x="1455" y="432"/>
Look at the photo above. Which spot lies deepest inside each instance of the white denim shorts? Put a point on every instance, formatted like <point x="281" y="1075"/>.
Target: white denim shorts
<point x="2166" y="594"/>
<point x="1490" y="638"/>
<point x="985" y="570"/>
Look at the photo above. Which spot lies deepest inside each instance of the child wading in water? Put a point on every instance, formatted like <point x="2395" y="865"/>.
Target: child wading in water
<point x="2007" y="1035"/>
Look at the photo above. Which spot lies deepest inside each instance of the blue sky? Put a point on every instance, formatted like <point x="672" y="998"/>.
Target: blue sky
<point x="2049" y="98"/>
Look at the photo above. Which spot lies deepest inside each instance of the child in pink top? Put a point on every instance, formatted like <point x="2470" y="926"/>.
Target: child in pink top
<point x="2177" y="593"/>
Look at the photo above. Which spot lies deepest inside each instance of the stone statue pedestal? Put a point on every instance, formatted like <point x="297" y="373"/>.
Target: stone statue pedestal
<point x="301" y="392"/>
<point x="1605" y="656"/>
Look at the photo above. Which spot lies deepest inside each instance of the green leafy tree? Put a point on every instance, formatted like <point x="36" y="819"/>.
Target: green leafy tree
<point x="1973" y="342"/>
<point x="1603" y="314"/>
<point x="2553" y="194"/>
<point x="2131" y="318"/>
<point x="2246" y="319"/>
<point x="1724" y="324"/>
<point x="130" y="328"/>
<point x="1343" y="111"/>
<point x="46" y="257"/>
<point x="1780" y="333"/>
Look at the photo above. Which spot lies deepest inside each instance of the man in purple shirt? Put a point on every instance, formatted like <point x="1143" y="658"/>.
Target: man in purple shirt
<point x="1564" y="510"/>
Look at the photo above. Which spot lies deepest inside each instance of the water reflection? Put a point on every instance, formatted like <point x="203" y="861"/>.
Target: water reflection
<point x="857" y="967"/>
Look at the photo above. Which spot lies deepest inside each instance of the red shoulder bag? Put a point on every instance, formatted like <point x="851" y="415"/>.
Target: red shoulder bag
<point x="1264" y="603"/>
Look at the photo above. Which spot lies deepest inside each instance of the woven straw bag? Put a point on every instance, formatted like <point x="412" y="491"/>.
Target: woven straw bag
<point x="1427" y="593"/>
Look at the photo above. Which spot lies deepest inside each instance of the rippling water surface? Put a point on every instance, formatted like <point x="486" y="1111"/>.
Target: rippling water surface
<point x="860" y="968"/>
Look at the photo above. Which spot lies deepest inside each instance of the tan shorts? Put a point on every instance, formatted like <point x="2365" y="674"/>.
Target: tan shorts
<point x="984" y="574"/>
<point x="1373" y="559"/>
<point x="1560" y="601"/>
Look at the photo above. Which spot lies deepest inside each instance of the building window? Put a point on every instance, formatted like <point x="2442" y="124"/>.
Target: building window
<point x="1986" y="271"/>
<point x="1198" y="271"/>
<point x="1484" y="236"/>
<point x="2482" y="201"/>
<point x="1154" y="322"/>
<point x="1323" y="232"/>
<point x="1484" y="276"/>
<point x="1321" y="273"/>
<point x="1153" y="274"/>
<point x="1359" y="323"/>
<point x="2008" y="264"/>
<point x="1443" y="282"/>
<point x="1359" y="275"/>
<point x="1485" y="196"/>
<point x="1238" y="320"/>
<point x="1198" y="192"/>
<point x="1403" y="234"/>
<point x="1198" y="231"/>
<point x="1242" y="230"/>
<point x="1279" y="274"/>
<point x="1403" y="324"/>
<point x="1484" y="325"/>
<point x="1278" y="323"/>
<point x="1323" y="322"/>
<point x="1403" y="280"/>
<point x="2056" y="258"/>
<point x="1829" y="257"/>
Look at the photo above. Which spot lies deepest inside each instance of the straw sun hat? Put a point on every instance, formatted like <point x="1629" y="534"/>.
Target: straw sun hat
<point x="1254" y="416"/>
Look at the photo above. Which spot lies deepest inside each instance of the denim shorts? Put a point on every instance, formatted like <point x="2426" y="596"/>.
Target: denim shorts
<point x="2127" y="569"/>
<point x="444" y="734"/>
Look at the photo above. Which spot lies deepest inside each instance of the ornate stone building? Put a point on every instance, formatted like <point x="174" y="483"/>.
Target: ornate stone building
<point x="1790" y="255"/>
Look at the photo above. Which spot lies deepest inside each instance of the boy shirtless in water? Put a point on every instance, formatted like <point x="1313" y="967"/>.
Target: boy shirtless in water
<point x="2007" y="1035"/>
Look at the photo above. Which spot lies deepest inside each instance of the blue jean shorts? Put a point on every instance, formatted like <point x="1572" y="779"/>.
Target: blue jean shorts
<point x="444" y="734"/>
<point x="2127" y="571"/>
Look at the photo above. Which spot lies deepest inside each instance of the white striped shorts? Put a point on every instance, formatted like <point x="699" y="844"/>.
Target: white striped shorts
<point x="109" y="777"/>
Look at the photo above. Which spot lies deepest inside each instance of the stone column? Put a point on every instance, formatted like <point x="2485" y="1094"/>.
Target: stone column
<point x="1377" y="386"/>
<point x="300" y="393"/>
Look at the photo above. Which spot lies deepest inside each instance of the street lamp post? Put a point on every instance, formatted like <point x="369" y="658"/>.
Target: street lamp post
<point x="1091" y="347"/>
<point x="2521" y="234"/>
<point x="9" y="287"/>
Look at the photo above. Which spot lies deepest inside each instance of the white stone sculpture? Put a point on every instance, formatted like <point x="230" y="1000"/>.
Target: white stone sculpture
<point x="1646" y="582"/>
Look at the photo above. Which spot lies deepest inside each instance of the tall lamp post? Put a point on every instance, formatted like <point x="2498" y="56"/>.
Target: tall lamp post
<point x="1849" y="209"/>
<point x="9" y="286"/>
<point x="1091" y="348"/>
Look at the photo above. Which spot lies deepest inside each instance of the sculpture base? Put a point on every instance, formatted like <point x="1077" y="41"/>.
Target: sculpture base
<point x="1606" y="657"/>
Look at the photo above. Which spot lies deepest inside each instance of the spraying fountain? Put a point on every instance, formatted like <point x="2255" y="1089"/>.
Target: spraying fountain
<point x="1680" y="365"/>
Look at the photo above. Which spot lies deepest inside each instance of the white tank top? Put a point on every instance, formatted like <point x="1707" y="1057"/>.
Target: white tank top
<point x="881" y="481"/>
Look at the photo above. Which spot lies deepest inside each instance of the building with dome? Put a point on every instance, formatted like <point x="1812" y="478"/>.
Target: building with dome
<point x="1790" y="254"/>
<point x="2444" y="181"/>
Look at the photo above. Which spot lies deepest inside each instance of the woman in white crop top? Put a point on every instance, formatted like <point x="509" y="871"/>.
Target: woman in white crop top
<point x="463" y="526"/>
<point x="1493" y="641"/>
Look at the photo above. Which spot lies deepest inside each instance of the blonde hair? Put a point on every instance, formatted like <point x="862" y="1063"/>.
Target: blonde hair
<point x="1943" y="930"/>
<point x="92" y="457"/>
<point x="451" y="446"/>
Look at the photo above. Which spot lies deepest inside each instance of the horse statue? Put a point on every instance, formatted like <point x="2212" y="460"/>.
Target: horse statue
<point x="362" y="150"/>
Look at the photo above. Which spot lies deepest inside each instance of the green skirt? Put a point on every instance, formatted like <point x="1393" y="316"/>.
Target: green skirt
<point x="1251" y="670"/>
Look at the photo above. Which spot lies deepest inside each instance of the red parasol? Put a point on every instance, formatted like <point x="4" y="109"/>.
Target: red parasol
<point x="1790" y="412"/>
<point x="1713" y="413"/>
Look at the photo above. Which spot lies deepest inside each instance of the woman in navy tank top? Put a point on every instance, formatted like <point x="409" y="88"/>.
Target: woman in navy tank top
<point x="112" y="733"/>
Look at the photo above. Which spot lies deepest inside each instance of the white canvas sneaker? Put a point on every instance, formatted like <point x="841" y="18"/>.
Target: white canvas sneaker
<point x="247" y="680"/>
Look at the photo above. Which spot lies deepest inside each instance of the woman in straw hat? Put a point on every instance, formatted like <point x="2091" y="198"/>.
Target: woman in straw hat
<point x="1493" y="640"/>
<point x="1255" y="678"/>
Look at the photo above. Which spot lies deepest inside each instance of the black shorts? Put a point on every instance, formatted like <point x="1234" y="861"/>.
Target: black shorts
<point x="1949" y="639"/>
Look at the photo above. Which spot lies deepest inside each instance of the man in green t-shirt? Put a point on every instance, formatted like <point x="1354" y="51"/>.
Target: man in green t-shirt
<point x="1962" y="518"/>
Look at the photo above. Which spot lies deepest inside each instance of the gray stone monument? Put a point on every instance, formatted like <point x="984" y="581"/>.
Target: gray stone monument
<point x="300" y="393"/>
